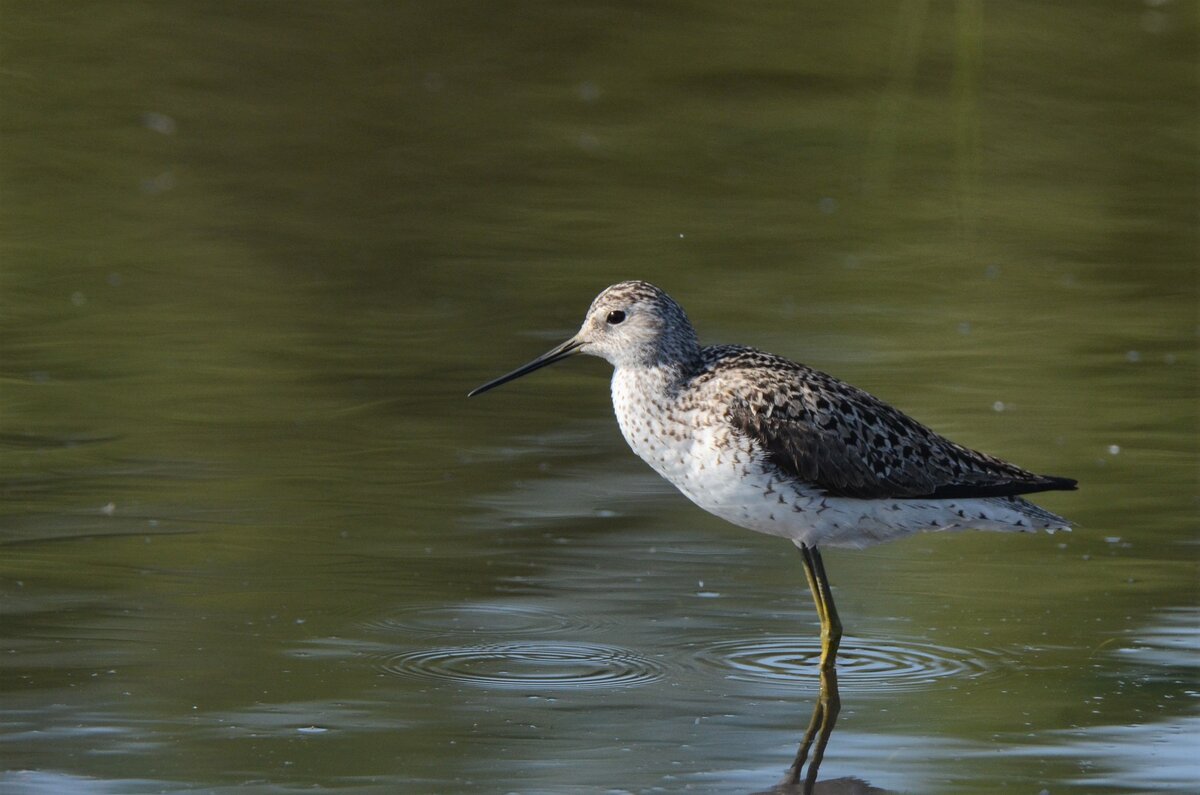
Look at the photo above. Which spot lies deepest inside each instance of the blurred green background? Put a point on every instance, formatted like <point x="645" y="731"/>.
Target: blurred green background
<point x="253" y="537"/>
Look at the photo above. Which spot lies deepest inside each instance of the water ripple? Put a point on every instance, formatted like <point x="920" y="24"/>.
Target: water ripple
<point x="529" y="665"/>
<point x="862" y="663"/>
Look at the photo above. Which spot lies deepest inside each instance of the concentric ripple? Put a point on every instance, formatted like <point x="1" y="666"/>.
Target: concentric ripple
<point x="529" y="665"/>
<point x="862" y="663"/>
<point x="480" y="619"/>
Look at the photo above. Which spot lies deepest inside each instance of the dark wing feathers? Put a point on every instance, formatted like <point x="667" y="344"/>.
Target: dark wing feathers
<point x="849" y="443"/>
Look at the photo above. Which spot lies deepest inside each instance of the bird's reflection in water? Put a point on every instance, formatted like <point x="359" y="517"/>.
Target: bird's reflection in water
<point x="816" y="737"/>
<point x="801" y="779"/>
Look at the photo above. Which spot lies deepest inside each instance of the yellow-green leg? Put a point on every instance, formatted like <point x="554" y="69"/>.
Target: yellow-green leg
<point x="831" y="625"/>
<point x="825" y="711"/>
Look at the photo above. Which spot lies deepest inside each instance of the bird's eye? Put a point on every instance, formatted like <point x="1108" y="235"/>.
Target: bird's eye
<point x="615" y="317"/>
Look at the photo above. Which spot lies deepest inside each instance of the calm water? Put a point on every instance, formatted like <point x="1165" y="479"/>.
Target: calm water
<point x="254" y="538"/>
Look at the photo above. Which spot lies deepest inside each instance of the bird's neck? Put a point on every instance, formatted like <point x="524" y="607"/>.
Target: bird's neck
<point x="656" y="381"/>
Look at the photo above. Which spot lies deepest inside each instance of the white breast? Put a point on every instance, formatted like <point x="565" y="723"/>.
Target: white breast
<point x="703" y="457"/>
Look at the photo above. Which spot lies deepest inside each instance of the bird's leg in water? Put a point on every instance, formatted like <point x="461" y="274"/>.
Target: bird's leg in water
<point x="831" y="625"/>
<point x="829" y="703"/>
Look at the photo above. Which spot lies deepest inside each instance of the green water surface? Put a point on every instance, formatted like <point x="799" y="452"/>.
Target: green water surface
<point x="253" y="537"/>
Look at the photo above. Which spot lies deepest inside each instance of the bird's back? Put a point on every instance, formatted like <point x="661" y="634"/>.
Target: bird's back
<point x="826" y="433"/>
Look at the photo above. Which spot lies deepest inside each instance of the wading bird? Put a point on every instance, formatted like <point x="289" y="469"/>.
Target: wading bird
<point x="778" y="447"/>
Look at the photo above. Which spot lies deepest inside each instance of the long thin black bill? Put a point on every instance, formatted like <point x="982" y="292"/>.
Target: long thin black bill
<point x="549" y="357"/>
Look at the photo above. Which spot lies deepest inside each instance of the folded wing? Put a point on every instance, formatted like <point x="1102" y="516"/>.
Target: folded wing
<point x="843" y="440"/>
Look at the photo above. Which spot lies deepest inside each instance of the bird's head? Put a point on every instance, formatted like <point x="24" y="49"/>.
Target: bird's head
<point x="629" y="324"/>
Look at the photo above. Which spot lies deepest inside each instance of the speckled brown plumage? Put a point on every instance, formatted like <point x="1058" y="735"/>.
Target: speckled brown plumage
<point x="845" y="441"/>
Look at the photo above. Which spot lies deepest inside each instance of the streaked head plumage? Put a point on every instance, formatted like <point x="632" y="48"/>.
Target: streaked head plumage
<point x="630" y="324"/>
<point x="635" y="323"/>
